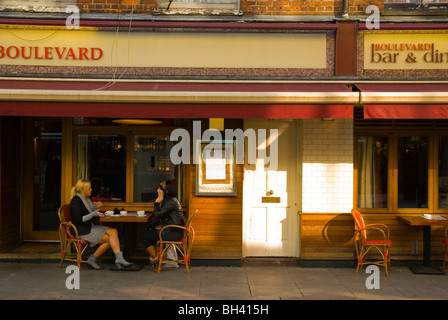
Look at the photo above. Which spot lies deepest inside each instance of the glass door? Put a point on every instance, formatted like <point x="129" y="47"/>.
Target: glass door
<point x="42" y="167"/>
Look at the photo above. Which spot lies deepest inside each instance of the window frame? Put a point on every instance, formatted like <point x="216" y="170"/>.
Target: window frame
<point x="436" y="173"/>
<point x="430" y="173"/>
<point x="392" y="196"/>
<point x="389" y="137"/>
<point x="129" y="132"/>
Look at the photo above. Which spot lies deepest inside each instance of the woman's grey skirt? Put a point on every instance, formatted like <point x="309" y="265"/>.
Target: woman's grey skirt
<point x="96" y="234"/>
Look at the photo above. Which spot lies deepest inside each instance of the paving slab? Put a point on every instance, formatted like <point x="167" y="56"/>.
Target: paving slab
<point x="47" y="281"/>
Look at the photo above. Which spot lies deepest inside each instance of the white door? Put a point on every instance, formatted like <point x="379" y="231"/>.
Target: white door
<point x="271" y="199"/>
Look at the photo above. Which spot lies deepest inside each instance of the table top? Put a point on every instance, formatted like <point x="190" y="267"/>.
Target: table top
<point x="130" y="216"/>
<point x="436" y="220"/>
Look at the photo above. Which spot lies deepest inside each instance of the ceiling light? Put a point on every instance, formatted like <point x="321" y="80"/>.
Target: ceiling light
<point x="137" y="121"/>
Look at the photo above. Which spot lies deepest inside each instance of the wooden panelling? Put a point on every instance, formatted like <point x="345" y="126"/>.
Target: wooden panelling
<point x="326" y="236"/>
<point x="218" y="223"/>
<point x="330" y="237"/>
<point x="402" y="235"/>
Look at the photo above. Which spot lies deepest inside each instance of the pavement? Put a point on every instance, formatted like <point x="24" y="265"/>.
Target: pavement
<point x="47" y="281"/>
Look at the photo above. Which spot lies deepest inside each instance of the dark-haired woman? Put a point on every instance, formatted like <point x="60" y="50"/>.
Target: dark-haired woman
<point x="167" y="210"/>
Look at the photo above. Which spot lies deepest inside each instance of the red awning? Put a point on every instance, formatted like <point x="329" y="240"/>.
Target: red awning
<point x="157" y="110"/>
<point x="404" y="101"/>
<point x="406" y="111"/>
<point x="175" y="99"/>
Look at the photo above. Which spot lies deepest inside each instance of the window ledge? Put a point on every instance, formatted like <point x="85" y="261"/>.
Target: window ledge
<point x="54" y="6"/>
<point x="193" y="8"/>
<point x="198" y="12"/>
<point x="414" y="9"/>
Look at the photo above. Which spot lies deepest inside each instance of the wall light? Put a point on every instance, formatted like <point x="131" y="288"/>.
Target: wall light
<point x="216" y="124"/>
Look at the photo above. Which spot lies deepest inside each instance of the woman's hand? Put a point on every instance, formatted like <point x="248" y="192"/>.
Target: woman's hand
<point x="160" y="196"/>
<point x="98" y="204"/>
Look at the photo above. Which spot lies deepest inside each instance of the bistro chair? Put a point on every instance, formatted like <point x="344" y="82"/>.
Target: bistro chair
<point x="364" y="245"/>
<point x="183" y="246"/>
<point x="445" y="242"/>
<point x="68" y="235"/>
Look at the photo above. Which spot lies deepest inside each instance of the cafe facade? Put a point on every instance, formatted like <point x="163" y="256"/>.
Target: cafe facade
<point x="320" y="117"/>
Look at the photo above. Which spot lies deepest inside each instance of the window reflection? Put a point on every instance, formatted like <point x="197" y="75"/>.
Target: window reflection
<point x="372" y="172"/>
<point x="102" y="160"/>
<point x="151" y="166"/>
<point x="443" y="173"/>
<point x="47" y="169"/>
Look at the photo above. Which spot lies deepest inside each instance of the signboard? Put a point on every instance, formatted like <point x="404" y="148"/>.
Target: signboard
<point x="409" y="51"/>
<point x="270" y="199"/>
<point x="49" y="47"/>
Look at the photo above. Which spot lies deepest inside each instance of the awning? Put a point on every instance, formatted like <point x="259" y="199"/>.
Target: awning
<point x="404" y="101"/>
<point x="170" y="110"/>
<point x="175" y="99"/>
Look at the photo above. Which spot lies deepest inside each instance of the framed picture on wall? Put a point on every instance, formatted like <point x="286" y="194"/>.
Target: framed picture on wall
<point x="216" y="168"/>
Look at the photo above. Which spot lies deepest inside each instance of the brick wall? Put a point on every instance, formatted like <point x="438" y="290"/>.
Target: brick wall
<point x="248" y="7"/>
<point x="116" y="6"/>
<point x="327" y="161"/>
<point x="294" y="7"/>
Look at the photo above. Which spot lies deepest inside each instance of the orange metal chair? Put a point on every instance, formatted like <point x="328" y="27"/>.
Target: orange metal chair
<point x="364" y="245"/>
<point x="183" y="246"/>
<point x="445" y="242"/>
<point x="68" y="235"/>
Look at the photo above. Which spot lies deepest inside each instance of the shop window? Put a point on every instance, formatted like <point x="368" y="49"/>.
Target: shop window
<point x="403" y="169"/>
<point x="210" y="7"/>
<point x="415" y="7"/>
<point x="152" y="165"/>
<point x="102" y="160"/>
<point x="413" y="172"/>
<point x="105" y="160"/>
<point x="372" y="171"/>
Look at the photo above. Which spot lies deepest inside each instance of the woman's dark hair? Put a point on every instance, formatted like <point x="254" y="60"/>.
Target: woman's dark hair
<point x="168" y="188"/>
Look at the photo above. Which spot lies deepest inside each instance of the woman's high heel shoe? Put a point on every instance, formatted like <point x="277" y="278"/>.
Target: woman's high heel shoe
<point x="120" y="266"/>
<point x="92" y="263"/>
<point x="120" y="262"/>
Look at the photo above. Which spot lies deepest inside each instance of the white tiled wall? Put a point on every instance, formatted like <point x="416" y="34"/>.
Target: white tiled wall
<point x="327" y="160"/>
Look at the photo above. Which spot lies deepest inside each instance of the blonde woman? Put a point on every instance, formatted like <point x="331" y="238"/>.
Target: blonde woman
<point x="82" y="211"/>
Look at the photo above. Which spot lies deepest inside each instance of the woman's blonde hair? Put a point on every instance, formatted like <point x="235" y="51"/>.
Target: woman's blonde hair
<point x="80" y="186"/>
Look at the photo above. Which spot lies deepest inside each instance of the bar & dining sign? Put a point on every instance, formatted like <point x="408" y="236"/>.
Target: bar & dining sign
<point x="406" y="51"/>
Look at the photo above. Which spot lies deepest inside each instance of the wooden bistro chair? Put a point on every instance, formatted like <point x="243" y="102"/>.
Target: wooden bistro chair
<point x="445" y="242"/>
<point x="364" y="244"/>
<point x="183" y="246"/>
<point x="68" y="235"/>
